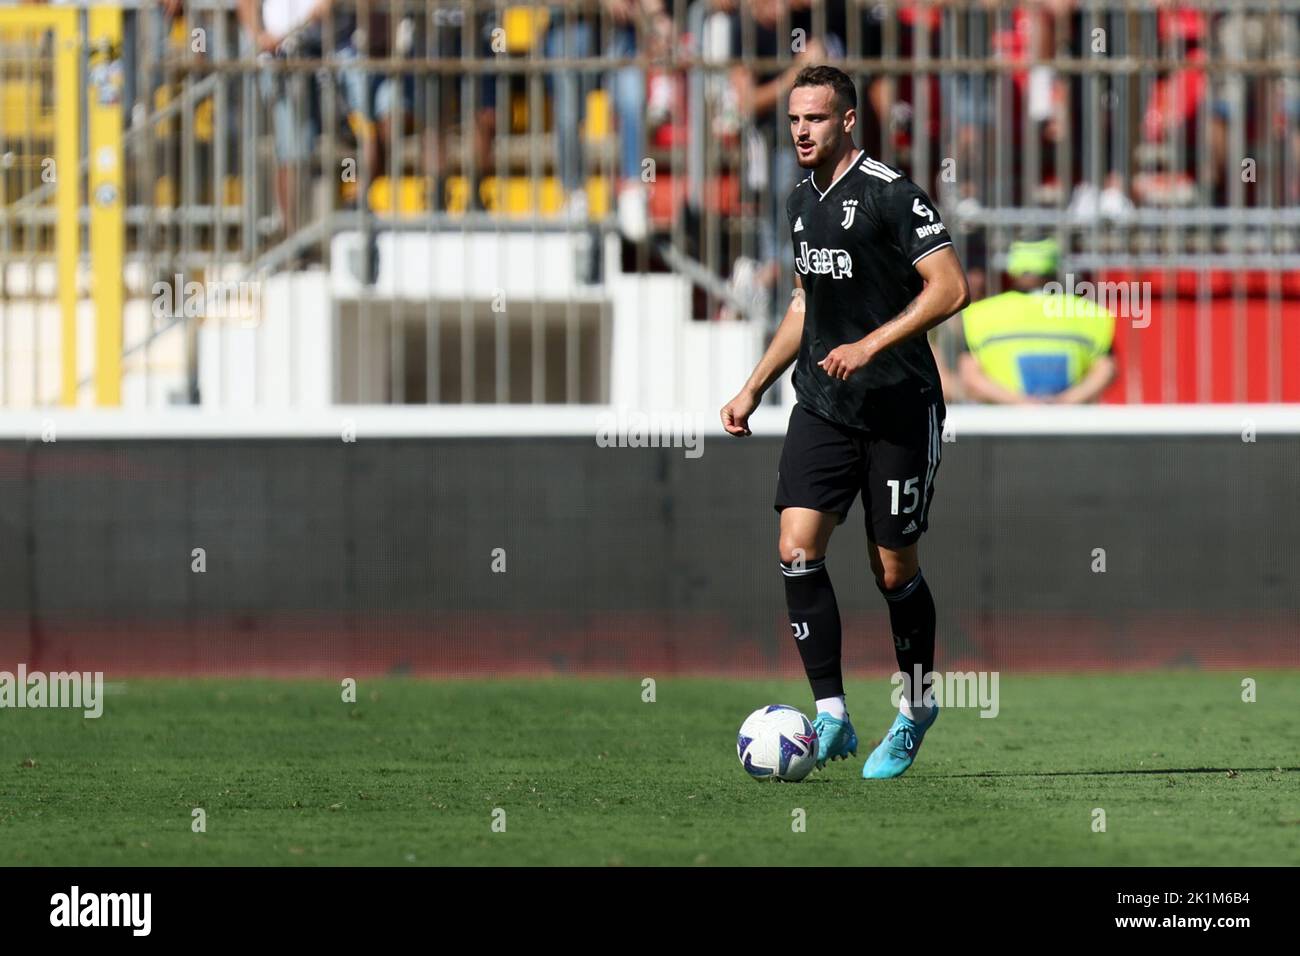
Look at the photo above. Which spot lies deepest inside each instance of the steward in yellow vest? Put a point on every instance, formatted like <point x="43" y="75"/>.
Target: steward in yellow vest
<point x="1035" y="345"/>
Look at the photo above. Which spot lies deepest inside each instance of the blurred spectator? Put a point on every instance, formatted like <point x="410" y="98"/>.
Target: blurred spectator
<point x="449" y="35"/>
<point x="377" y="104"/>
<point x="711" y="109"/>
<point x="766" y="30"/>
<point x="1059" y="108"/>
<point x="292" y="97"/>
<point x="1169" y="121"/>
<point x="1253" y="36"/>
<point x="969" y="102"/>
<point x="1045" y="106"/>
<point x="575" y="35"/>
<point x="1034" y="346"/>
<point x="302" y="29"/>
<point x="145" y="29"/>
<point x="916" y="30"/>
<point x="1288" y="117"/>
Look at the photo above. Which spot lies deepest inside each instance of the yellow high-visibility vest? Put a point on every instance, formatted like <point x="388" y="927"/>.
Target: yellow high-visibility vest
<point x="1037" y="344"/>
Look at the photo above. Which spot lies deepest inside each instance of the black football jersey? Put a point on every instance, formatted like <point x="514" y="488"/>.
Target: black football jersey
<point x="856" y="247"/>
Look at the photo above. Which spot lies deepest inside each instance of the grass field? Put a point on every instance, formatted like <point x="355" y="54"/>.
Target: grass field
<point x="587" y="773"/>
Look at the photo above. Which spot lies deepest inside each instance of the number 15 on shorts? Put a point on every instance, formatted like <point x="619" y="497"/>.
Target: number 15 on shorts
<point x="909" y="489"/>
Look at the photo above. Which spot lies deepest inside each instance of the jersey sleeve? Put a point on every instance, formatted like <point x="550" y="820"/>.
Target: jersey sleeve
<point x="912" y="220"/>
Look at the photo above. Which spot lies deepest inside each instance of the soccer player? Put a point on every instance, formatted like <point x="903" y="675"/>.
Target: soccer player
<point x="875" y="271"/>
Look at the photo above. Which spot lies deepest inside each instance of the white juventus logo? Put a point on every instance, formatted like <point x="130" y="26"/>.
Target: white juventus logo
<point x="850" y="208"/>
<point x="798" y="634"/>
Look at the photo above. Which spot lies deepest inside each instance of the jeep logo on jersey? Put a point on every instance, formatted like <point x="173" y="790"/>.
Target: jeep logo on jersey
<point x="921" y="209"/>
<point x="834" y="262"/>
<point x="850" y="207"/>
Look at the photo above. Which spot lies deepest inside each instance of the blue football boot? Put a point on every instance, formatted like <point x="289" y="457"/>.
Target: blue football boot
<point x="835" y="738"/>
<point x="897" y="751"/>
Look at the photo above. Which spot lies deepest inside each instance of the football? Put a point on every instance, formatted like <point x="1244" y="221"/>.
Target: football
<point x="777" y="743"/>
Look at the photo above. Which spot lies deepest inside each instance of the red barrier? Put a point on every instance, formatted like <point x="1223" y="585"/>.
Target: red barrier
<point x="488" y="644"/>
<point x="1241" y="345"/>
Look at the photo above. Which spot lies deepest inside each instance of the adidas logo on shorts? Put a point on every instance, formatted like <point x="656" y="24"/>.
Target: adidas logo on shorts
<point x="911" y="526"/>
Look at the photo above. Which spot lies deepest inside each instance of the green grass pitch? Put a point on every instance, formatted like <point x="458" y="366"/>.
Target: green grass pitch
<point x="587" y="773"/>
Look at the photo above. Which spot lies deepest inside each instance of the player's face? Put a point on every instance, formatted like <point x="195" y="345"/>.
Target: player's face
<point x="817" y="126"/>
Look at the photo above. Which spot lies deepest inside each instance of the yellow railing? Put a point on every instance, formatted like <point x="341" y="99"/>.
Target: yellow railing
<point x="46" y="106"/>
<point x="105" y="193"/>
<point x="62" y="23"/>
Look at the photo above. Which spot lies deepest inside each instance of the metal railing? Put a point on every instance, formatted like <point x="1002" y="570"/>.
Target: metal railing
<point x="1142" y="136"/>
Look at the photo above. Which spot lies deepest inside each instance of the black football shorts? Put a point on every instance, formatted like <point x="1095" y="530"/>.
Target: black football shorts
<point x="824" y="465"/>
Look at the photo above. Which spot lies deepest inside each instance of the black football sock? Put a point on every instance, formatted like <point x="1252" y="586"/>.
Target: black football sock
<point x="815" y="622"/>
<point x="911" y="619"/>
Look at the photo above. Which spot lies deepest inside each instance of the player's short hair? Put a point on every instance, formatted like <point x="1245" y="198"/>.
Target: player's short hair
<point x="837" y="80"/>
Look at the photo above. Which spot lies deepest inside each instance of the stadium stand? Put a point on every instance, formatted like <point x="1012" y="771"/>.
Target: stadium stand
<point x="629" y="156"/>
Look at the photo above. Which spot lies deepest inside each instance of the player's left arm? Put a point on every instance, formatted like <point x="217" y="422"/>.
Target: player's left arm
<point x="945" y="293"/>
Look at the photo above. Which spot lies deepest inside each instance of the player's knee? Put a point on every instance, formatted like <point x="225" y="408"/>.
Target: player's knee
<point x="794" y="548"/>
<point x="893" y="577"/>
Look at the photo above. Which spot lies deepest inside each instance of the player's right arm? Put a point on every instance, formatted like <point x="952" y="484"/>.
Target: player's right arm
<point x="782" y="350"/>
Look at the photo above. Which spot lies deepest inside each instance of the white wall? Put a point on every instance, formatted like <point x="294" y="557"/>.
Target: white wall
<point x="660" y="358"/>
<point x="284" y="358"/>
